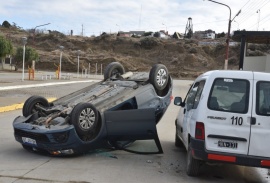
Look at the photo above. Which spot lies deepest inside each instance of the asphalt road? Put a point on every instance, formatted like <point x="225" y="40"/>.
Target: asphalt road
<point x="101" y="166"/>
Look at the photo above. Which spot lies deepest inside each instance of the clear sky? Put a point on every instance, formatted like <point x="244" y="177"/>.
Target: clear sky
<point x="99" y="16"/>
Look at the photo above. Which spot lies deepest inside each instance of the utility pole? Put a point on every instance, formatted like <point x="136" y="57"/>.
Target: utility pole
<point x="259" y="13"/>
<point x="82" y="29"/>
<point x="140" y="18"/>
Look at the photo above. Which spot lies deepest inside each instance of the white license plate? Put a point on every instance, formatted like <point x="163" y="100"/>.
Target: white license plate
<point x="226" y="144"/>
<point x="29" y="140"/>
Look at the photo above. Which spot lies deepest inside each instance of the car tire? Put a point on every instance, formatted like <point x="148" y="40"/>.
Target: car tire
<point x="178" y="142"/>
<point x="159" y="77"/>
<point x="29" y="105"/>
<point x="84" y="117"/>
<point x="193" y="165"/>
<point x="114" y="68"/>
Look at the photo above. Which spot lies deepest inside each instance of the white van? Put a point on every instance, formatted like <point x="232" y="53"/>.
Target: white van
<point x="225" y="117"/>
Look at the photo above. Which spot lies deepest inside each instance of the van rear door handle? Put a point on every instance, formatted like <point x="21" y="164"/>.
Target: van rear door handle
<point x="253" y="121"/>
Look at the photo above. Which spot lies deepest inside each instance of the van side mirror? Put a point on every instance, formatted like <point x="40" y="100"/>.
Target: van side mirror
<point x="178" y="101"/>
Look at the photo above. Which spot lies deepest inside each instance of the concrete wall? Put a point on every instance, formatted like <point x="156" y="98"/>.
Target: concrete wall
<point x="267" y="68"/>
<point x="256" y="63"/>
<point x="8" y="67"/>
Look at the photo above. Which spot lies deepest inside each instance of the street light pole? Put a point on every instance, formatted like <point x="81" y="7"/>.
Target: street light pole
<point x="60" y="65"/>
<point x="118" y="27"/>
<point x="165" y="26"/>
<point x="259" y="13"/>
<point x="237" y="25"/>
<point x="228" y="35"/>
<point x="78" y="70"/>
<point x="24" y="40"/>
<point x="37" y="27"/>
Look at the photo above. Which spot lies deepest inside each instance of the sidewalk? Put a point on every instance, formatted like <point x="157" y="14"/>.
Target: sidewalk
<point x="14" y="91"/>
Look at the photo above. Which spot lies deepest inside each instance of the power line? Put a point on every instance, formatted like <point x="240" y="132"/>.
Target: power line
<point x="250" y="12"/>
<point x="247" y="11"/>
<point x="244" y="5"/>
<point x="260" y="21"/>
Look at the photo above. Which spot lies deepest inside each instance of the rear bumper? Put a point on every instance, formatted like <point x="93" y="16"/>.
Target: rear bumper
<point x="199" y="152"/>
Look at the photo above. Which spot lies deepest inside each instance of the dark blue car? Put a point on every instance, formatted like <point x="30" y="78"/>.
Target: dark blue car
<point x="120" y="112"/>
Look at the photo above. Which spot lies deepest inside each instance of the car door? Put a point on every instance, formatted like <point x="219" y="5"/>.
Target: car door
<point x="260" y="123"/>
<point x="190" y="105"/>
<point x="136" y="127"/>
<point x="228" y="113"/>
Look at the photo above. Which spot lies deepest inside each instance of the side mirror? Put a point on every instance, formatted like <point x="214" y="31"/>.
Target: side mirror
<point x="178" y="101"/>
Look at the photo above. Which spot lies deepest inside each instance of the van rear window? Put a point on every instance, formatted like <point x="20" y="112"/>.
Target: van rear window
<point x="229" y="95"/>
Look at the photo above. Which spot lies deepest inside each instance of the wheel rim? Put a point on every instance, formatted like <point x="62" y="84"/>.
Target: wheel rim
<point x="34" y="109"/>
<point x="161" y="77"/>
<point x="114" y="72"/>
<point x="87" y="118"/>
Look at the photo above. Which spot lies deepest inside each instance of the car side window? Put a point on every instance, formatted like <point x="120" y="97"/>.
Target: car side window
<point x="263" y="98"/>
<point x="198" y="94"/>
<point x="229" y="95"/>
<point x="194" y="95"/>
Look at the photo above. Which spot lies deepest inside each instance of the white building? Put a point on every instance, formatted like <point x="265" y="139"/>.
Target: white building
<point x="207" y="34"/>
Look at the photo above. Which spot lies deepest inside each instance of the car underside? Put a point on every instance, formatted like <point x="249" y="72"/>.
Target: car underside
<point x="122" y="108"/>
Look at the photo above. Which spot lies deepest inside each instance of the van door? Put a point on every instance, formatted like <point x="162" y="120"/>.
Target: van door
<point x="260" y="121"/>
<point x="185" y="114"/>
<point x="227" y="117"/>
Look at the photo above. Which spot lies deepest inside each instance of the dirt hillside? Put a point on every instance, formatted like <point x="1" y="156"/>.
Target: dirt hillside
<point x="183" y="58"/>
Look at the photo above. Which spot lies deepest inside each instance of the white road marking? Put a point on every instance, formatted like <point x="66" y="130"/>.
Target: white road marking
<point x="43" y="84"/>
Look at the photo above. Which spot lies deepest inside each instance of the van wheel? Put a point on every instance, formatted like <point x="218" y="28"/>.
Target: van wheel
<point x="30" y="105"/>
<point x="193" y="165"/>
<point x="113" y="69"/>
<point x="178" y="142"/>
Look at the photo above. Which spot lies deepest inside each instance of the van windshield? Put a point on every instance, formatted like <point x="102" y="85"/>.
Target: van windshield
<point x="229" y="95"/>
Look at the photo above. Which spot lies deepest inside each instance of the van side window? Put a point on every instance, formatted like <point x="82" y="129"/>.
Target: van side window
<point x="263" y="98"/>
<point x="229" y="95"/>
<point x="194" y="95"/>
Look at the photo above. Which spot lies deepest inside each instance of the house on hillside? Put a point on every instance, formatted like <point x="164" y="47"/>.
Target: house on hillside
<point x="130" y="33"/>
<point x="124" y="34"/>
<point x="7" y="64"/>
<point x="161" y="34"/>
<point x="137" y="33"/>
<point x="207" y="34"/>
<point x="164" y="35"/>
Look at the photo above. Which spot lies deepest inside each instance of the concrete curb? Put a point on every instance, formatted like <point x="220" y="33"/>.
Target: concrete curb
<point x="18" y="106"/>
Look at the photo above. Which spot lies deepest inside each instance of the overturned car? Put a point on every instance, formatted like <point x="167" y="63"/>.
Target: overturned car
<point x="114" y="113"/>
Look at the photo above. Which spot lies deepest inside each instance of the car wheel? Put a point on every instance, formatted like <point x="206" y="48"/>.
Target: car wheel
<point x="178" y="142"/>
<point x="193" y="165"/>
<point x="113" y="69"/>
<point x="159" y="76"/>
<point x="84" y="117"/>
<point x="29" y="106"/>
